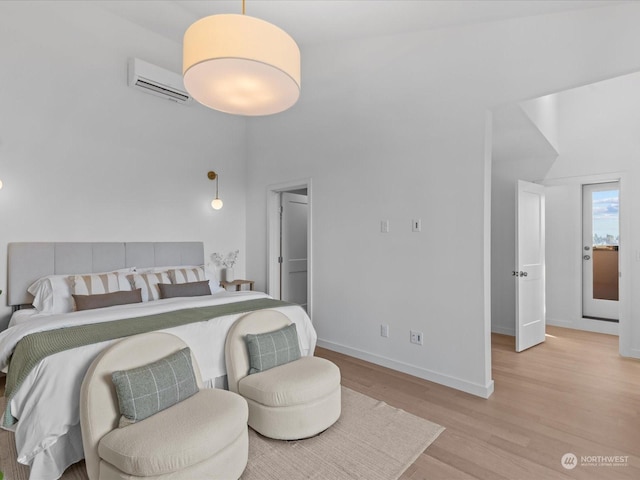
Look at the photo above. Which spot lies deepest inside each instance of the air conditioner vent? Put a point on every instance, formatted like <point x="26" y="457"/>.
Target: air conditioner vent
<point x="163" y="90"/>
<point x="157" y="81"/>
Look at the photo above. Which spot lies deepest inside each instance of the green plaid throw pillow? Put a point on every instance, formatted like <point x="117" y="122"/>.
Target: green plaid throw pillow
<point x="268" y="350"/>
<point x="146" y="390"/>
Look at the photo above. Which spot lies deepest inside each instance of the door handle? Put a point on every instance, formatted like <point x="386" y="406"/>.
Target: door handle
<point x="587" y="257"/>
<point x="523" y="274"/>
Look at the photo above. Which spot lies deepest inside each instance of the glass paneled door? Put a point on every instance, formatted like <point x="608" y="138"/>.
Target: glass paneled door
<point x="600" y="249"/>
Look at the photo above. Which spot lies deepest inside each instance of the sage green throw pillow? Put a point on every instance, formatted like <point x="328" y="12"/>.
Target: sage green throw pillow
<point x="268" y="350"/>
<point x="146" y="390"/>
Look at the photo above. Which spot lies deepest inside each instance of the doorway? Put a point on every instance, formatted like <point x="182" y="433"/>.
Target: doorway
<point x="565" y="256"/>
<point x="289" y="242"/>
<point x="294" y="215"/>
<point x="600" y="251"/>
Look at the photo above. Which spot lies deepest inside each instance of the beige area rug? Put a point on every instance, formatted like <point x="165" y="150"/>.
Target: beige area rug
<point x="371" y="441"/>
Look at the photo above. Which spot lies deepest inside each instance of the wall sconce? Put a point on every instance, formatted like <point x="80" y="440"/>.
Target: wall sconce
<point x="0" y="184"/>
<point x="216" y="203"/>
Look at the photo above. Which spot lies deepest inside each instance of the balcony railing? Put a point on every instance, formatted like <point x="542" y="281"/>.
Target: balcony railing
<point x="605" y="272"/>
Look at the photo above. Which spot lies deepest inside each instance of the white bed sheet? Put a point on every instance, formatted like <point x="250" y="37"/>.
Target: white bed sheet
<point x="47" y="404"/>
<point x="23" y="315"/>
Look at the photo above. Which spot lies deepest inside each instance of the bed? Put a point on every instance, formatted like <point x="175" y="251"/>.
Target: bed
<point x="43" y="398"/>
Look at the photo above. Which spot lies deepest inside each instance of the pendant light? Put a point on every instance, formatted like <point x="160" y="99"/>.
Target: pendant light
<point x="241" y="65"/>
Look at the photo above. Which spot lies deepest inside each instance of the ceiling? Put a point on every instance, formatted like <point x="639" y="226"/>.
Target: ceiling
<point x="321" y="21"/>
<point x="516" y="137"/>
<point x="327" y="21"/>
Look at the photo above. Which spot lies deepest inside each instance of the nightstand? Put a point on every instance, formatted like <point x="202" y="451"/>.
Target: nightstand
<point x="238" y="284"/>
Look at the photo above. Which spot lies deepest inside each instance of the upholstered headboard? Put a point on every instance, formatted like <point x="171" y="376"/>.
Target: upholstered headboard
<point x="28" y="262"/>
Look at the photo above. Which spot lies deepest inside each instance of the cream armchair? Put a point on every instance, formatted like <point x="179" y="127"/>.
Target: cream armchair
<point x="291" y="401"/>
<point x="204" y="436"/>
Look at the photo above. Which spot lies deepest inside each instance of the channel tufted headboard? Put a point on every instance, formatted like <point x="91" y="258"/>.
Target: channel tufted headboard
<point x="28" y="262"/>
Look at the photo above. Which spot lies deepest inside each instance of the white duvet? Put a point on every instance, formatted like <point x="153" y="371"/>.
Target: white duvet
<point x="46" y="405"/>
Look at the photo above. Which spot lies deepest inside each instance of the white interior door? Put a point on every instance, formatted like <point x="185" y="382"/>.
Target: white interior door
<point x="600" y="250"/>
<point x="295" y="212"/>
<point x="530" y="261"/>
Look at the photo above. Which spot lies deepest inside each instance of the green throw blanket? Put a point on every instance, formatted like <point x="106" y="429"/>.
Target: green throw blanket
<point x="35" y="347"/>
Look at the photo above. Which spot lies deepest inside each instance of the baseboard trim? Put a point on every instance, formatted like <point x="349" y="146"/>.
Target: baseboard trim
<point x="587" y="325"/>
<point x="630" y="352"/>
<point x="478" y="390"/>
<point x="559" y="323"/>
<point x="504" y="330"/>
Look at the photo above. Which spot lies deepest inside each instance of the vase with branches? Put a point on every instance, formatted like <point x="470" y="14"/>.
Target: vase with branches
<point x="226" y="261"/>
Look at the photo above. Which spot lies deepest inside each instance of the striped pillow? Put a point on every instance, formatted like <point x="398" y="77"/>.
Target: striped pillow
<point x="187" y="275"/>
<point x="95" y="284"/>
<point x="148" y="283"/>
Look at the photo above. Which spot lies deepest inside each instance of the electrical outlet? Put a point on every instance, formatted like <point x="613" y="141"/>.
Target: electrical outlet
<point x="384" y="331"/>
<point x="384" y="226"/>
<point x="415" y="337"/>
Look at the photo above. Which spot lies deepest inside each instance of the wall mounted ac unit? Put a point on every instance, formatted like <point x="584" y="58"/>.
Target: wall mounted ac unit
<point x="157" y="81"/>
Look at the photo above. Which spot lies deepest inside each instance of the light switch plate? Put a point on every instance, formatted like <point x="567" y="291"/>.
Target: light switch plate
<point x="384" y="330"/>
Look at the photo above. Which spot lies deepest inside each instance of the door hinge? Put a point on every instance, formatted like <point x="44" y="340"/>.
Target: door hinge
<point x="279" y="259"/>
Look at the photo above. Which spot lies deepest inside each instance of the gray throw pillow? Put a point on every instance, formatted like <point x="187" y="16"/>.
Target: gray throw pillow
<point x="101" y="300"/>
<point x="268" y="350"/>
<point x="146" y="390"/>
<point x="191" y="289"/>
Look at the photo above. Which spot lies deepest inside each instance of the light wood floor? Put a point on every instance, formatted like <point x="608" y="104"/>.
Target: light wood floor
<point x="572" y="394"/>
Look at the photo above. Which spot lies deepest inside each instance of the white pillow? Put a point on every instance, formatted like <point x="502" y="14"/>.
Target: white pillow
<point x="148" y="283"/>
<point x="52" y="293"/>
<point x="214" y="283"/>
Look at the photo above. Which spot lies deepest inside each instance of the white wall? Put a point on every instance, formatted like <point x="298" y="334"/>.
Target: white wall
<point x="338" y="134"/>
<point x="394" y="128"/>
<point x="543" y="111"/>
<point x="83" y="157"/>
